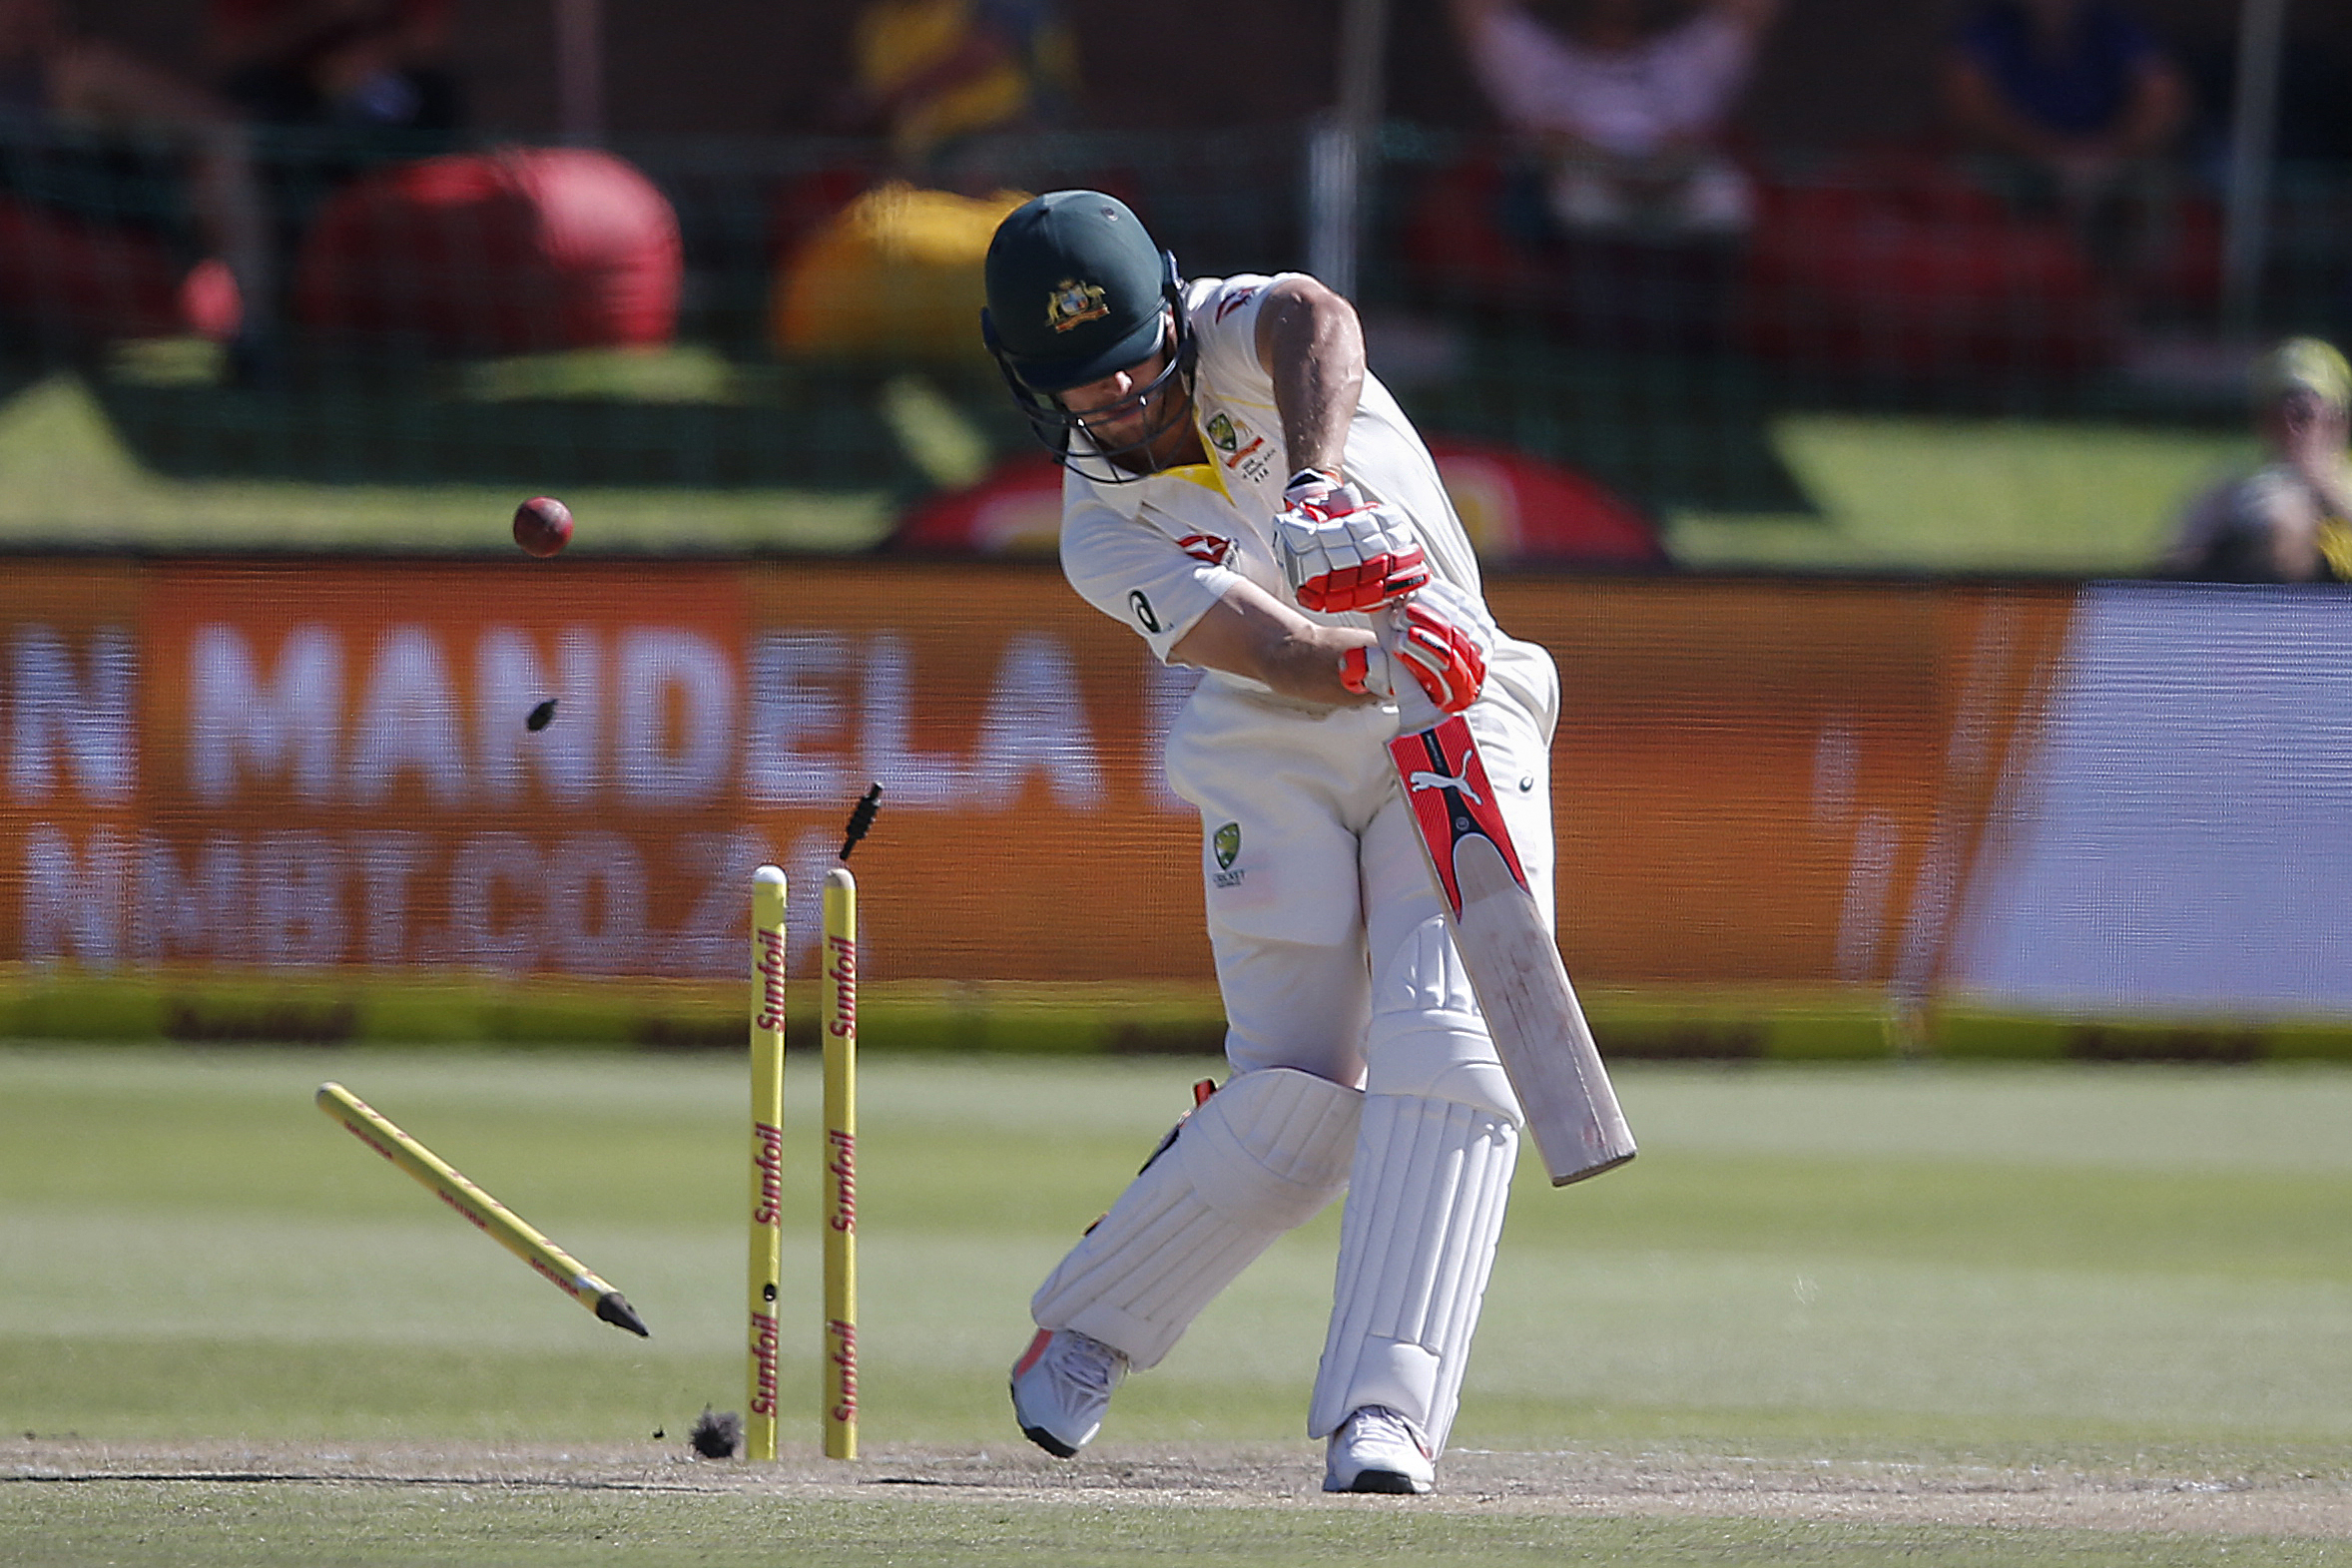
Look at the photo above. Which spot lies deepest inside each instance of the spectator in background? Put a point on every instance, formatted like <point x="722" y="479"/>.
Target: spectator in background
<point x="2290" y="521"/>
<point x="358" y="64"/>
<point x="929" y="75"/>
<point x="372" y="70"/>
<point x="2075" y="95"/>
<point x="1627" y="114"/>
<point x="49" y="72"/>
<point x="53" y="78"/>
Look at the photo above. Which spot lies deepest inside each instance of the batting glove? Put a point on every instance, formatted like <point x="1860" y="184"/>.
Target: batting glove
<point x="1309" y="485"/>
<point x="1340" y="552"/>
<point x="1440" y="639"/>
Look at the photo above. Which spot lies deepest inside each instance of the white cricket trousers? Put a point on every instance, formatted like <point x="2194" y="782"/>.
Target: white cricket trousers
<point x="1334" y="959"/>
<point x="1359" y="1056"/>
<point x="1322" y="922"/>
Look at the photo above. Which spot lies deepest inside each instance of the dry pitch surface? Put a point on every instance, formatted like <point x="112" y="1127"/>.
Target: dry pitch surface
<point x="1592" y="1484"/>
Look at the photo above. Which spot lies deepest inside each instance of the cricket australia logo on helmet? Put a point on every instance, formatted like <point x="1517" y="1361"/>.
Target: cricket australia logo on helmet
<point x="1077" y="292"/>
<point x="1073" y="304"/>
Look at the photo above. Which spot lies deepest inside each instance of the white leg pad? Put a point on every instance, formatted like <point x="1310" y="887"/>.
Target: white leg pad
<point x="1427" y="1037"/>
<point x="1425" y="1210"/>
<point x="1262" y="1155"/>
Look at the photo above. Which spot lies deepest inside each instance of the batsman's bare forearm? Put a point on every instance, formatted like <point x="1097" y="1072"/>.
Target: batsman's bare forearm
<point x="1252" y="634"/>
<point x="1310" y="343"/>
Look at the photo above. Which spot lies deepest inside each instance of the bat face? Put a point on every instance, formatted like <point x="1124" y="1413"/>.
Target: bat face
<point x="1530" y="1009"/>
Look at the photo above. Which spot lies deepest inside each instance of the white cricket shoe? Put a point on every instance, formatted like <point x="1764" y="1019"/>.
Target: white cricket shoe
<point x="1377" y="1450"/>
<point x="1060" y="1387"/>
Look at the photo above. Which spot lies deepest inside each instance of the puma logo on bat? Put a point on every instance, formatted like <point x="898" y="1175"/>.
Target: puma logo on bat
<point x="1425" y="779"/>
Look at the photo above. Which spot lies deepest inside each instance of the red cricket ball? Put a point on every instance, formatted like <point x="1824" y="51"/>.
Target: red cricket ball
<point x="542" y="525"/>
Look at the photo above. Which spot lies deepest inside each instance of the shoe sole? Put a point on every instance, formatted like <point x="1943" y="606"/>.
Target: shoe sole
<point x="1050" y="1443"/>
<point x="1038" y="1435"/>
<point x="1387" y="1483"/>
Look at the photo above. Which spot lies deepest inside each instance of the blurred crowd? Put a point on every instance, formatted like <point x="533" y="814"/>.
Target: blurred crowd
<point x="2289" y="520"/>
<point x="146" y="187"/>
<point x="310" y="179"/>
<point x="2055" y="162"/>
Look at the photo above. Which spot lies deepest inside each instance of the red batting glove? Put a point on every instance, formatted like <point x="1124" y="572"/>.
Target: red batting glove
<point x="1443" y="656"/>
<point x="1340" y="552"/>
<point x="1440" y="637"/>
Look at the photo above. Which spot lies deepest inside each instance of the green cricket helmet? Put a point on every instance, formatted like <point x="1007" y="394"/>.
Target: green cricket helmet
<point x="1077" y="291"/>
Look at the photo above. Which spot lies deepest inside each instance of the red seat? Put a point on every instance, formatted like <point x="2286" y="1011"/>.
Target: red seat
<point x="1475" y="237"/>
<point x="1902" y="264"/>
<point x="1454" y="243"/>
<point x="1518" y="511"/>
<point x="86" y="283"/>
<point x="1525" y="511"/>
<point x="511" y="252"/>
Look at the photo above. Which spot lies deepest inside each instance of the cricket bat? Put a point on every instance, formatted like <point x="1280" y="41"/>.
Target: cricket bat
<point x="1514" y="966"/>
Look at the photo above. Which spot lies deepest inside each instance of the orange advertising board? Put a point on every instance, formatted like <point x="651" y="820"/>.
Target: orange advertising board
<point x="313" y="765"/>
<point x="1779" y="781"/>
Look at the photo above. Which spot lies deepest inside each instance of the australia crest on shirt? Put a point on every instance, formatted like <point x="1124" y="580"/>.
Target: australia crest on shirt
<point x="1238" y="449"/>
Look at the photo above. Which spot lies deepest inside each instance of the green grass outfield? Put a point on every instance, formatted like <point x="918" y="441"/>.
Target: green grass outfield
<point x="2126" y="1271"/>
<point x="1804" y="1023"/>
<point x="1909" y="494"/>
<point x="68" y="478"/>
<point x="1890" y="493"/>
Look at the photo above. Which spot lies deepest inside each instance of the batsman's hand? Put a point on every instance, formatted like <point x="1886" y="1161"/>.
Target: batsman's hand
<point x="1431" y="657"/>
<point x="1341" y="552"/>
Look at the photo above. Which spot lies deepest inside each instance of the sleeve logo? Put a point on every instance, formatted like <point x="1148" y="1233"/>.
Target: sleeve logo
<point x="1143" y="612"/>
<point x="1243" y="448"/>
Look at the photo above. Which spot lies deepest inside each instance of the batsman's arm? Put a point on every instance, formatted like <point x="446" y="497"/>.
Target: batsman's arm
<point x="1250" y="633"/>
<point x="1310" y="341"/>
<point x="1428" y="656"/>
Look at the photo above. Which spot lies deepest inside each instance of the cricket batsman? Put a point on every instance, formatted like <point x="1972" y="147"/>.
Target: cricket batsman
<point x="1249" y="500"/>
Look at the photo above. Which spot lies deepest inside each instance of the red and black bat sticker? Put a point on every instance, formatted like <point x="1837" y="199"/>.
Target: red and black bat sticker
<point x="1445" y="785"/>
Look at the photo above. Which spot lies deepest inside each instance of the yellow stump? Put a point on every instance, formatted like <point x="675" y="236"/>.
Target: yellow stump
<point x="840" y="1165"/>
<point x="767" y="1207"/>
<point x="486" y="1213"/>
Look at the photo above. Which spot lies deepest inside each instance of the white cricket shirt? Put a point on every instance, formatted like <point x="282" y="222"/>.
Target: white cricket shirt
<point x="1157" y="552"/>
